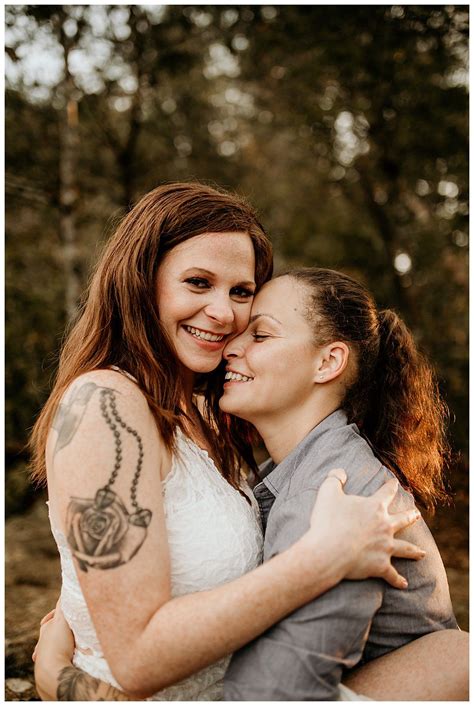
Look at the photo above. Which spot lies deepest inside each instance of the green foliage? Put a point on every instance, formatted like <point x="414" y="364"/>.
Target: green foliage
<point x="345" y="125"/>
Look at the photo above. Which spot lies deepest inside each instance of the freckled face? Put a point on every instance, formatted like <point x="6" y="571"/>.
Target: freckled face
<point x="275" y="356"/>
<point x="205" y="289"/>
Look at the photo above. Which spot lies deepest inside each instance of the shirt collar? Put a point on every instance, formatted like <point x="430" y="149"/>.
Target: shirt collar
<point x="275" y="476"/>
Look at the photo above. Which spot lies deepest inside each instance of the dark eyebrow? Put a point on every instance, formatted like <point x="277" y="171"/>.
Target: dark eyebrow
<point x="208" y="273"/>
<point x="269" y="316"/>
<point x="199" y="269"/>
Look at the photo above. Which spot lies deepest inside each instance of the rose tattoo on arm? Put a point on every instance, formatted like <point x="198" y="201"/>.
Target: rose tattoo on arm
<point x="101" y="531"/>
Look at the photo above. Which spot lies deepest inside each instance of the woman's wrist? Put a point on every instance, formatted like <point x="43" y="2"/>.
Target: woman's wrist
<point x="319" y="568"/>
<point x="47" y="672"/>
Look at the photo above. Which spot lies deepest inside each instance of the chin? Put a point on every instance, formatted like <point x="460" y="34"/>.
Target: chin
<point x="203" y="369"/>
<point x="226" y="406"/>
<point x="198" y="365"/>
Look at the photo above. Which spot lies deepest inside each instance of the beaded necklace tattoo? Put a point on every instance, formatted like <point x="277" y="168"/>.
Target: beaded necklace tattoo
<point x="102" y="533"/>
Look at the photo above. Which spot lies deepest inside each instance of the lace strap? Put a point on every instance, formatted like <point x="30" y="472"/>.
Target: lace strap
<point x="123" y="372"/>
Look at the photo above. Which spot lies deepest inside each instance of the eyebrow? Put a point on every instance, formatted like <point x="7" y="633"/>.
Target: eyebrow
<point x="208" y="273"/>
<point x="269" y="316"/>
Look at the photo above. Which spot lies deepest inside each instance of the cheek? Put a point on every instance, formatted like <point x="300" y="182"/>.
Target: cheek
<point x="165" y="312"/>
<point x="241" y="317"/>
<point x="173" y="307"/>
<point x="285" y="369"/>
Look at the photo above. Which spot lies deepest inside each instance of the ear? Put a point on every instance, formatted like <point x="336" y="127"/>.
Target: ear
<point x="331" y="361"/>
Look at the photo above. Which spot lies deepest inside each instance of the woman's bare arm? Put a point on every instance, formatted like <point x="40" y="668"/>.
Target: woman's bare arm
<point x="66" y="682"/>
<point x="433" y="668"/>
<point x="164" y="640"/>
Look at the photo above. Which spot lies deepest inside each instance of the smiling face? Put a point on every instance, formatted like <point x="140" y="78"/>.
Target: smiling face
<point x="205" y="289"/>
<point x="271" y="366"/>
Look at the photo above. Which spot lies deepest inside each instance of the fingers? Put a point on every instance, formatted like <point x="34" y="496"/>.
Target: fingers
<point x="392" y="577"/>
<point x="48" y="616"/>
<point x="407" y="550"/>
<point x="45" y="619"/>
<point x="400" y="520"/>
<point x="387" y="492"/>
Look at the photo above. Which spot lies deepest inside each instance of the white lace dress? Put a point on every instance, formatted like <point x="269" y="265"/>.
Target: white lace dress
<point x="214" y="537"/>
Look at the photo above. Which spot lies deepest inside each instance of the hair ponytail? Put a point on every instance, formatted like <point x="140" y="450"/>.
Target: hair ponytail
<point x="406" y="418"/>
<point x="392" y="395"/>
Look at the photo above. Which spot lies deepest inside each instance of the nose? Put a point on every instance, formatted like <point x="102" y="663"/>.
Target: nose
<point x="220" y="309"/>
<point x="235" y="348"/>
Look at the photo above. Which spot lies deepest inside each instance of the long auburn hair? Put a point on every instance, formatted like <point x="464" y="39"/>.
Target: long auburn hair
<point x="119" y="323"/>
<point x="392" y="394"/>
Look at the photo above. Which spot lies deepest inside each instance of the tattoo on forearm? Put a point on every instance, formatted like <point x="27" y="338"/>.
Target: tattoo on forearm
<point x="102" y="533"/>
<point x="76" y="685"/>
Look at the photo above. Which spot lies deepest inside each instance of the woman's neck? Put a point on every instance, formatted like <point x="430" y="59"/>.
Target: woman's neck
<point x="188" y="381"/>
<point x="281" y="433"/>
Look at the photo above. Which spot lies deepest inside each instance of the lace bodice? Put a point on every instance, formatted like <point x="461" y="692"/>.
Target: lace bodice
<point x="214" y="537"/>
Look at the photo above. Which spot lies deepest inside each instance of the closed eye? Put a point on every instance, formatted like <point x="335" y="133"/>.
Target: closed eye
<point x="259" y="337"/>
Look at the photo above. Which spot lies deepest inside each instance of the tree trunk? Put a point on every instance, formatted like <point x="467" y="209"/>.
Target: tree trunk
<point x="388" y="236"/>
<point x="68" y="188"/>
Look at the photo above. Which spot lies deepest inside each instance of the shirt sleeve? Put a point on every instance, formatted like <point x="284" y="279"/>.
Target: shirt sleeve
<point x="303" y="657"/>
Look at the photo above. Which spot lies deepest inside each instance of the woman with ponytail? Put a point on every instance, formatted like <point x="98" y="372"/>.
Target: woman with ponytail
<point x="390" y="388"/>
<point x="327" y="380"/>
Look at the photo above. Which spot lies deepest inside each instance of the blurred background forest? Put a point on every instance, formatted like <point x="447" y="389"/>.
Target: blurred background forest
<point x="346" y="126"/>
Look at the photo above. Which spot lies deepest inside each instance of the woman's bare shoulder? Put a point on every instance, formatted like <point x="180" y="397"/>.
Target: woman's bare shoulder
<point x="93" y="381"/>
<point x="93" y="407"/>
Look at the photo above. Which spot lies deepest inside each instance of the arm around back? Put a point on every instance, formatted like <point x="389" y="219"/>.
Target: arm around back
<point x="105" y="463"/>
<point x="302" y="657"/>
<point x="107" y="496"/>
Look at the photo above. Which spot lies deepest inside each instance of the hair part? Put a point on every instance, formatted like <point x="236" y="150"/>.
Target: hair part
<point x="391" y="390"/>
<point x="119" y="323"/>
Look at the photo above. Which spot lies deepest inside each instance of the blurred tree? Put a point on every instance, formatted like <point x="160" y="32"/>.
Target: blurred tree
<point x="345" y="125"/>
<point x="349" y="104"/>
<point x="68" y="154"/>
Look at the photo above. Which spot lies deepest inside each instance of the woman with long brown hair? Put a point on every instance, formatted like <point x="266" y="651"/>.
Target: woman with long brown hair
<point x="158" y="533"/>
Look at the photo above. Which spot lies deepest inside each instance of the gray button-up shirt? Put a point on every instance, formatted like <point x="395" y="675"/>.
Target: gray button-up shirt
<point x="303" y="657"/>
